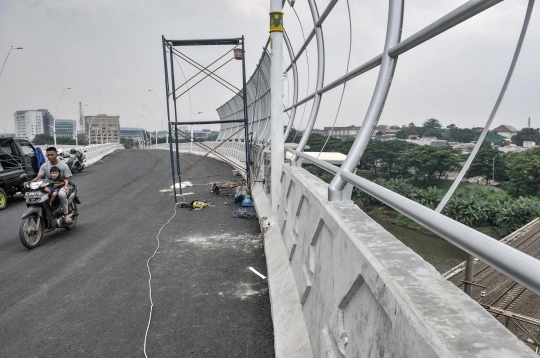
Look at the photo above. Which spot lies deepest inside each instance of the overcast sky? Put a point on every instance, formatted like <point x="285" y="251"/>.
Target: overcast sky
<point x="109" y="53"/>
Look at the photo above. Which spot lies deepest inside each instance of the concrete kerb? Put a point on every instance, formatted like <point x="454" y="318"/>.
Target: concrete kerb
<point x="290" y="331"/>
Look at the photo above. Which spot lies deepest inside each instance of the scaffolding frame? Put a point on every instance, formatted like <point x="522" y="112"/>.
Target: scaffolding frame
<point x="170" y="83"/>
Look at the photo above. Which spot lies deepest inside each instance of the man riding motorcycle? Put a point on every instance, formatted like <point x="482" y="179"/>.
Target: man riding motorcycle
<point x="65" y="172"/>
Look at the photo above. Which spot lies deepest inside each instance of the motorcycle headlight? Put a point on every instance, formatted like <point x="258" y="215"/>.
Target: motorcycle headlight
<point x="35" y="184"/>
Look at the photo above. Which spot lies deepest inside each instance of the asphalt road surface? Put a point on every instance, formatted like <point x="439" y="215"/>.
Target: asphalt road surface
<point x="84" y="292"/>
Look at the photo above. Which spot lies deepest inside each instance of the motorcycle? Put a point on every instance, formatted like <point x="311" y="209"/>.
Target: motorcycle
<point x="76" y="160"/>
<point x="40" y="216"/>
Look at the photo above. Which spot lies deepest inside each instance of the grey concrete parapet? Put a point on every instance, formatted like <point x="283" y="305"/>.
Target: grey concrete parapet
<point x="338" y="277"/>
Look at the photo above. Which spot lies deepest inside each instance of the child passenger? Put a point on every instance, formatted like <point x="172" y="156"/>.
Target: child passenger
<point x="56" y="184"/>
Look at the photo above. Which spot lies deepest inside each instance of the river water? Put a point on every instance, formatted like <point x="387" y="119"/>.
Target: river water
<point x="438" y="252"/>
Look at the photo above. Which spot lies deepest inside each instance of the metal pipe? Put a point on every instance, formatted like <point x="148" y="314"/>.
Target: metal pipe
<point x="388" y="65"/>
<point x="469" y="274"/>
<point x="513" y="263"/>
<point x="295" y="84"/>
<point x="169" y="116"/>
<point x="320" y="79"/>
<point x="209" y="122"/>
<point x="318" y="23"/>
<point x="176" y="120"/>
<point x="246" y="129"/>
<point x="276" y="85"/>
<point x="12" y="48"/>
<point x="457" y="16"/>
<point x="476" y="148"/>
<point x="54" y="123"/>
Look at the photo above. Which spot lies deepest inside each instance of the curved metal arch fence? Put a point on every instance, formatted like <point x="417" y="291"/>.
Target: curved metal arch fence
<point x="513" y="263"/>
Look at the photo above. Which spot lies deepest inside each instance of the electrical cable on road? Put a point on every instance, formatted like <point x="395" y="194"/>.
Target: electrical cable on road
<point x="150" y="279"/>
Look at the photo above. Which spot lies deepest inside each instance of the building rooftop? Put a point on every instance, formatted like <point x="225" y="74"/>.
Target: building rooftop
<point x="505" y="128"/>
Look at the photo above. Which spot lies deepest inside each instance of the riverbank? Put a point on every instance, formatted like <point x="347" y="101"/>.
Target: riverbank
<point x="387" y="214"/>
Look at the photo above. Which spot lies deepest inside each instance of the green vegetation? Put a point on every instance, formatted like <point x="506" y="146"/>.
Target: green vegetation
<point x="524" y="172"/>
<point x="416" y="172"/>
<point x="476" y="207"/>
<point x="42" y="139"/>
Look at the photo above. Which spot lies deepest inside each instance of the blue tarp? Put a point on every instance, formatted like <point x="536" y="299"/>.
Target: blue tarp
<point x="40" y="157"/>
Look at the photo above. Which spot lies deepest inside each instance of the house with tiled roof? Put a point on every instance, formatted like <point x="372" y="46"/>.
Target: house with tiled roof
<point x="506" y="131"/>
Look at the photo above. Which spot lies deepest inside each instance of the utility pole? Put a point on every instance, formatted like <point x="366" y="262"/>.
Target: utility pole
<point x="469" y="274"/>
<point x="276" y="104"/>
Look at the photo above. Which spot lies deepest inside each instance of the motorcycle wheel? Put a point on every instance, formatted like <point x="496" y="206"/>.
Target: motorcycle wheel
<point x="3" y="199"/>
<point x="72" y="209"/>
<point x="29" y="232"/>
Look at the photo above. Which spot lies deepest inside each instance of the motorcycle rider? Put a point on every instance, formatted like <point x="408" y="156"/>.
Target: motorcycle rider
<point x="44" y="172"/>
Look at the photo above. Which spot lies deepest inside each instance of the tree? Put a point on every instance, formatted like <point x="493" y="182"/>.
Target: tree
<point x="524" y="171"/>
<point x="431" y="123"/>
<point x="428" y="161"/>
<point x="386" y="156"/>
<point x="406" y="131"/>
<point x="526" y="134"/>
<point x="486" y="159"/>
<point x="41" y="139"/>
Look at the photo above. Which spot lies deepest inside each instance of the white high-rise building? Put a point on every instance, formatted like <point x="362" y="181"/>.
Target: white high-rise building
<point x="28" y="123"/>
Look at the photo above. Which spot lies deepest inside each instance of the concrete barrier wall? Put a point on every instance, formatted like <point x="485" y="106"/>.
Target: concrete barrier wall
<point x="94" y="153"/>
<point x="362" y="293"/>
<point x="234" y="151"/>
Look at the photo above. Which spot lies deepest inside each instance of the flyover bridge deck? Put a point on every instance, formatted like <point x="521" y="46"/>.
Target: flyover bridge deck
<point x="85" y="292"/>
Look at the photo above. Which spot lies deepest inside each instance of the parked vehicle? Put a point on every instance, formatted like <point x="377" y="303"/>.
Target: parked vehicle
<point x="17" y="157"/>
<point x="40" y="216"/>
<point x="76" y="160"/>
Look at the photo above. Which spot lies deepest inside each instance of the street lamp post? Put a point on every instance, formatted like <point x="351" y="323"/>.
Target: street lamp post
<point x="193" y="116"/>
<point x="153" y="120"/>
<point x="145" y="136"/>
<point x="163" y="110"/>
<point x="56" y="109"/>
<point x="90" y="130"/>
<point x="12" y="48"/>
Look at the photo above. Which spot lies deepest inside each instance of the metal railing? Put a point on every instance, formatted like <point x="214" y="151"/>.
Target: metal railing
<point x="515" y="264"/>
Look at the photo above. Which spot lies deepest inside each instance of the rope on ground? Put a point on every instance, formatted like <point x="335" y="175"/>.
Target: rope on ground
<point x="246" y="214"/>
<point x="150" y="280"/>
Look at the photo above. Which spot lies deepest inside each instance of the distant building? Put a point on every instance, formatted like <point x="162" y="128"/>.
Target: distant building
<point x="131" y="132"/>
<point x="102" y="128"/>
<point x="465" y="148"/>
<point x="528" y="144"/>
<point x="493" y="138"/>
<point x="383" y="129"/>
<point x="48" y="121"/>
<point x="28" y="123"/>
<point x="383" y="138"/>
<point x="506" y="131"/>
<point x="65" y="128"/>
<point x="342" y="132"/>
<point x="199" y="134"/>
<point x="439" y="143"/>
